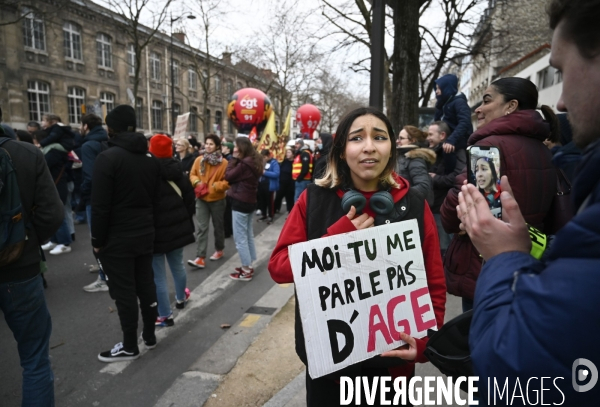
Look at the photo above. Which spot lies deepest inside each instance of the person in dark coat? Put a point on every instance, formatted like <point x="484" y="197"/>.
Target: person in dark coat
<point x="566" y="155"/>
<point x="243" y="173"/>
<point x="125" y="201"/>
<point x="518" y="133"/>
<point x="226" y="150"/>
<point x="174" y="229"/>
<point x="95" y="140"/>
<point x="443" y="172"/>
<point x="267" y="187"/>
<point x="186" y="154"/>
<point x="522" y="301"/>
<point x="321" y="162"/>
<point x="22" y="298"/>
<point x="286" y="182"/>
<point x="452" y="108"/>
<point x="57" y="133"/>
<point x="57" y="159"/>
<point x="415" y="160"/>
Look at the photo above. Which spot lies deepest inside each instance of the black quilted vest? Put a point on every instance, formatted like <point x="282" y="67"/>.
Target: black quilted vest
<point x="323" y="209"/>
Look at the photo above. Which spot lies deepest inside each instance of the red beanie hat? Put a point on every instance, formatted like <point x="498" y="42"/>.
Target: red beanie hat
<point x="161" y="146"/>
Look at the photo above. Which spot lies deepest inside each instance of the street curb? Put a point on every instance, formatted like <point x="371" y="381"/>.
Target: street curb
<point x="197" y="385"/>
<point x="289" y="392"/>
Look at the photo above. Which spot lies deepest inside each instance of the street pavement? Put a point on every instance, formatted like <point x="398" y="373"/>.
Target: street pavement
<point x="196" y="362"/>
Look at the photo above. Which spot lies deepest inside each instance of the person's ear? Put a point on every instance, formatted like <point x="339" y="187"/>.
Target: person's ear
<point x="513" y="105"/>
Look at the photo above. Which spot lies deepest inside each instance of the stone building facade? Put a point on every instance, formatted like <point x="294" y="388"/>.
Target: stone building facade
<point x="508" y="34"/>
<point x="81" y="59"/>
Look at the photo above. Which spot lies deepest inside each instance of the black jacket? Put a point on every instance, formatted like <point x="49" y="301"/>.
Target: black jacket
<point x="60" y="167"/>
<point x="91" y="147"/>
<point x="188" y="161"/>
<point x="445" y="176"/>
<point x="37" y="190"/>
<point x="125" y="196"/>
<point x="174" y="224"/>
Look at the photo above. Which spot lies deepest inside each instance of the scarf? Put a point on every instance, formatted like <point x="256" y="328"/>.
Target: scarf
<point x="213" y="159"/>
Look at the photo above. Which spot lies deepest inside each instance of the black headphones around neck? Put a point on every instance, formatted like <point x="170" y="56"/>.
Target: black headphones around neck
<point x="382" y="202"/>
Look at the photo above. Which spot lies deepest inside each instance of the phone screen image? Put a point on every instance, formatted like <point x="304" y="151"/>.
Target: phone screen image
<point x="484" y="172"/>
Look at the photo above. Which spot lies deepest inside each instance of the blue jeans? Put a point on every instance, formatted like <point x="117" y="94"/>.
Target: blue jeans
<point x="88" y="214"/>
<point x="300" y="186"/>
<point x="69" y="208"/>
<point x="175" y="260"/>
<point x="63" y="234"/>
<point x="25" y="311"/>
<point x="243" y="235"/>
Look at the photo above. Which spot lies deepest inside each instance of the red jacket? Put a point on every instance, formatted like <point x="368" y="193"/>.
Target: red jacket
<point x="528" y="165"/>
<point x="294" y="231"/>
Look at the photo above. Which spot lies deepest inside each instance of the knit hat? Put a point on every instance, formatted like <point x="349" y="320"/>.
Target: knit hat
<point x="229" y="145"/>
<point x="161" y="146"/>
<point x="121" y="119"/>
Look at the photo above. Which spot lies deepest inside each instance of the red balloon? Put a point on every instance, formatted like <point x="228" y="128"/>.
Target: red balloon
<point x="247" y="108"/>
<point x="309" y="118"/>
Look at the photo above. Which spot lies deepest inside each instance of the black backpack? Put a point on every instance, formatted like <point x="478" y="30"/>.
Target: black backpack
<point x="448" y="348"/>
<point x="12" y="224"/>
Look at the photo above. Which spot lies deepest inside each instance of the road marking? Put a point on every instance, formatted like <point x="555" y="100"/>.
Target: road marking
<point x="249" y="321"/>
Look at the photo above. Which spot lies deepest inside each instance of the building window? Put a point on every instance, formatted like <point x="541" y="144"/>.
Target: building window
<point x="34" y="34"/>
<point x="218" y="86"/>
<point x="175" y="73"/>
<point x="131" y="59"/>
<point x="239" y="85"/>
<point x="139" y="113"/>
<point x="207" y="121"/>
<point x="157" y="115"/>
<point x="104" y="50"/>
<point x="75" y="98"/>
<point x="218" y="121"/>
<point x="194" y="120"/>
<point x="39" y="100"/>
<point x="176" y="110"/>
<point x="205" y="80"/>
<point x="192" y="79"/>
<point x="546" y="77"/>
<point x="107" y="99"/>
<point x="72" y="41"/>
<point x="155" y="66"/>
<point x="229" y="88"/>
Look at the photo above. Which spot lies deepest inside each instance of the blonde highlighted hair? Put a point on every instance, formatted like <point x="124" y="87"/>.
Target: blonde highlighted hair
<point x="337" y="173"/>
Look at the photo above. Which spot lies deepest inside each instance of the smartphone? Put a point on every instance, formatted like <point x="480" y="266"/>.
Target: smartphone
<point x="483" y="171"/>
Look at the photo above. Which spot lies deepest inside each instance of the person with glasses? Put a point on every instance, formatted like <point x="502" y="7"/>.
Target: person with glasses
<point x="185" y="153"/>
<point x="415" y="160"/>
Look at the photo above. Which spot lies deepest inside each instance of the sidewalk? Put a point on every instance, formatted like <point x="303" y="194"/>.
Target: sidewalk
<point x="270" y="374"/>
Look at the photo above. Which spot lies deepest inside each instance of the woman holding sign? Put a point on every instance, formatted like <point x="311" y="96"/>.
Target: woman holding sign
<point x="360" y="190"/>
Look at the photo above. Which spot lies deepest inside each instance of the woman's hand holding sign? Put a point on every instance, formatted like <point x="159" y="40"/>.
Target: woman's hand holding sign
<point x="407" y="352"/>
<point x="489" y="235"/>
<point x="362" y="221"/>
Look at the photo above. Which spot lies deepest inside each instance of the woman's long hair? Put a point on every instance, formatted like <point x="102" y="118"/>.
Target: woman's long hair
<point x="526" y="94"/>
<point x="494" y="183"/>
<point x="246" y="149"/>
<point x="337" y="173"/>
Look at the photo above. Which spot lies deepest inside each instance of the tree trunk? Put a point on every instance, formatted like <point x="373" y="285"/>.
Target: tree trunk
<point x="405" y="64"/>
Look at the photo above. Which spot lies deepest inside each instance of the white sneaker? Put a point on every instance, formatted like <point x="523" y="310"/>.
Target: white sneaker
<point x="48" y="246"/>
<point x="96" y="286"/>
<point x="60" y="249"/>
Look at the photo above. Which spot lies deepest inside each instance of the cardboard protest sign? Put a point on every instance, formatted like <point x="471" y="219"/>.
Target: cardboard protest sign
<point x="181" y="125"/>
<point x="357" y="292"/>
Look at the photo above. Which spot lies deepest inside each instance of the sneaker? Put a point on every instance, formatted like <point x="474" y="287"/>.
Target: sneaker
<point x="165" y="321"/>
<point x="181" y="304"/>
<point x="258" y="212"/>
<point x="60" y="249"/>
<point x="269" y="220"/>
<point x="48" y="246"/>
<point x="240" y="270"/>
<point x="242" y="276"/>
<point x="96" y="286"/>
<point x="150" y="344"/>
<point x="118" y="354"/>
<point x="217" y="255"/>
<point x="199" y="262"/>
